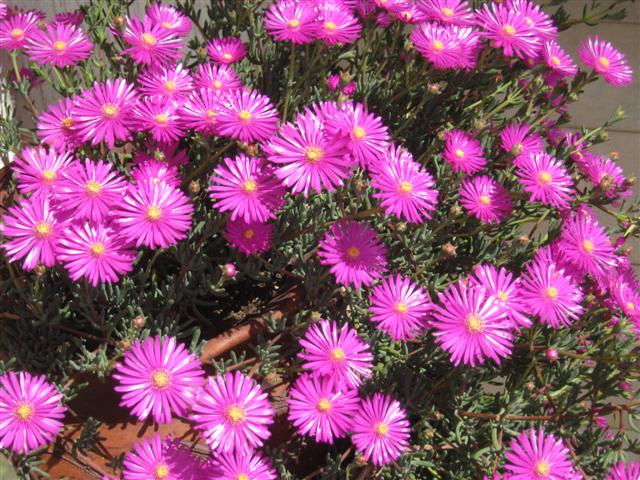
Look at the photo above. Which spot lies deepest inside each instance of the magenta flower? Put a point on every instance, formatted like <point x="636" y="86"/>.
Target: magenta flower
<point x="318" y="408"/>
<point x="60" y="45"/>
<point x="338" y="354"/>
<point x="200" y="111"/>
<point x="30" y="412"/>
<point x="247" y="116"/>
<point x="96" y="253"/>
<point x="308" y="158"/>
<point x="586" y="244"/>
<point x="151" y="43"/>
<point x="540" y="22"/>
<point x="233" y="413"/>
<point x="606" y="60"/>
<point x="463" y="152"/>
<point x="240" y="466"/>
<point x="455" y="12"/>
<point x="550" y="293"/>
<point x="56" y="127"/>
<point x="517" y="140"/>
<point x="159" y="117"/>
<point x="154" y="214"/>
<point x="292" y="21"/>
<point x="336" y="23"/>
<point x="485" y="199"/>
<point x="32" y="232"/>
<point x="249" y="238"/>
<point x="218" y="78"/>
<point x="154" y="171"/>
<point x="16" y="30"/>
<point x="381" y="429"/>
<point x="406" y="190"/>
<point x="399" y="307"/>
<point x="622" y="471"/>
<point x="166" y="83"/>
<point x="158" y="377"/>
<point x="509" y="29"/>
<point x="247" y="188"/>
<point x="408" y="13"/>
<point x="74" y="18"/>
<point x="605" y="174"/>
<point x="438" y="44"/>
<point x="356" y="256"/>
<point x="39" y="172"/>
<point x="168" y="153"/>
<point x="471" y="325"/>
<point x="545" y="178"/>
<point x="155" y="458"/>
<point x="333" y="82"/>
<point x="535" y="455"/>
<point x="169" y="18"/>
<point x="558" y="60"/>
<point x="226" y="50"/>
<point x="103" y="113"/>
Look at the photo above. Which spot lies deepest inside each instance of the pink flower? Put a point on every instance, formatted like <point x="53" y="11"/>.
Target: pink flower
<point x="60" y="45"/>
<point x="94" y="252"/>
<point x="307" y="157"/>
<point x="486" y="199"/>
<point x="74" y="18"/>
<point x="446" y="46"/>
<point x="558" y="60"/>
<point x="545" y="178"/>
<point x="169" y="18"/>
<point x="103" y="113"/>
<point x="471" y="325"/>
<point x="158" y="377"/>
<point x="155" y="458"/>
<point x="218" y="78"/>
<point x="233" y="413"/>
<point x="624" y="471"/>
<point x="399" y="307"/>
<point x="151" y="43"/>
<point x="200" y="111"/>
<point x="32" y="232"/>
<point x="226" y="50"/>
<point x="463" y="152"/>
<point x="40" y="172"/>
<point x="91" y="190"/>
<point x="246" y="187"/>
<point x="159" y="117"/>
<point x="356" y="256"/>
<point x="166" y="83"/>
<point x="333" y="82"/>
<point x="455" y="12"/>
<point x="247" y="116"/>
<point x="30" y="412"/>
<point x="586" y="244"/>
<point x="249" y="238"/>
<point x="292" y="21"/>
<point x="406" y="190"/>
<point x="541" y="22"/>
<point x="337" y="24"/>
<point x="57" y="127"/>
<point x="336" y="353"/>
<point x="154" y="214"/>
<point x="509" y="29"/>
<point x="156" y="172"/>
<point x="239" y="466"/>
<point x="318" y="408"/>
<point x="168" y="153"/>
<point x="16" y="30"/>
<point x="534" y="455"/>
<point x="381" y="429"/>
<point x="605" y="174"/>
<point x="606" y="60"/>
<point x="516" y="140"/>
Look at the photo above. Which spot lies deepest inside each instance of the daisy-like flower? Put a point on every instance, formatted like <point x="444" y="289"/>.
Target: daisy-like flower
<point x="509" y="29"/>
<point x="486" y="199"/>
<point x="103" y="113"/>
<point x="233" y="413"/>
<point x="337" y="353"/>
<point x="399" y="307"/>
<point x="160" y="118"/>
<point x="60" y="45"/>
<point x="605" y="174"/>
<point x="504" y="289"/>
<point x="169" y="19"/>
<point x="306" y="157"/>
<point x="380" y="429"/>
<point x="240" y="466"/>
<point x="32" y="232"/>
<point x="56" y="127"/>
<point x="536" y="455"/>
<point x="30" y="412"/>
<point x="167" y="83"/>
<point x="292" y="21"/>
<point x="247" y="188"/>
<point x="200" y="111"/>
<point x="336" y="23"/>
<point x="517" y="140"/>
<point x="249" y="238"/>
<point x="318" y="408"/>
<point x="546" y="290"/>
<point x="96" y="253"/>
<point x="624" y="471"/>
<point x="156" y="172"/>
<point x="74" y="18"/>
<point x="409" y="13"/>
<point x="558" y="60"/>
<point x="586" y="244"/>
<point x="154" y="214"/>
<point x="155" y="458"/>
<point x="471" y="325"/>
<point x="455" y="12"/>
<point x="437" y="44"/>
<point x="168" y="153"/>
<point x="16" y="30"/>
<point x="151" y="43"/>
<point x="406" y="190"/>
<point x="541" y="22"/>
<point x="226" y="50"/>
<point x="159" y="378"/>
<point x="218" y="78"/>
<point x="354" y="253"/>
<point x="247" y="116"/>
<point x="606" y="60"/>
<point x="463" y="152"/>
<point x="545" y="178"/>
<point x="39" y="171"/>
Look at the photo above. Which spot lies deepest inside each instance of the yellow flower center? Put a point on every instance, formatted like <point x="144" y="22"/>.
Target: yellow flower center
<point x="154" y="212"/>
<point x="358" y="133"/>
<point x="245" y="116"/>
<point x="544" y="178"/>
<point x="587" y="245"/>
<point x="161" y="118"/>
<point x="59" y="46"/>
<point x="405" y="187"/>
<point x="48" y="176"/>
<point x="337" y="354"/>
<point x="148" y="39"/>
<point x="542" y="469"/>
<point x="407" y="15"/>
<point x="170" y="85"/>
<point x="67" y="122"/>
<point x="242" y="476"/>
<point x="17" y="33"/>
<point x="217" y="84"/>
<point x="459" y="153"/>
<point x="330" y="26"/>
<point x="631" y="307"/>
<point x="162" y="471"/>
<point x="314" y="154"/>
<point x="381" y="429"/>
<point x="250" y="186"/>
<point x="484" y="200"/>
<point x="604" y="62"/>
<point x="447" y="12"/>
<point x="323" y="405"/>
<point x="402" y="308"/>
<point x="92" y="188"/>
<point x="438" y="45"/>
<point x="552" y="292"/>
<point x="24" y="411"/>
<point x="555" y="60"/>
<point x="294" y="23"/>
<point x="503" y="296"/>
<point x="160" y="379"/>
<point x="109" y="110"/>
<point x="43" y="230"/>
<point x="248" y="233"/>
<point x="167" y="25"/>
<point x="211" y="114"/>
<point x="474" y="323"/>
<point x="235" y="414"/>
<point x="227" y="56"/>
<point x="353" y="252"/>
<point x="97" y="249"/>
<point x="508" y="30"/>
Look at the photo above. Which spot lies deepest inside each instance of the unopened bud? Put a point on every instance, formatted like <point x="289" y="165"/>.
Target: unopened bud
<point x="530" y="386"/>
<point x="401" y="227"/>
<point x="479" y="124"/>
<point x="614" y="155"/>
<point x="124" y="344"/>
<point x="229" y="270"/>
<point x="139" y="322"/>
<point x="434" y="89"/>
<point x="551" y="354"/>
<point x="590" y="298"/>
<point x="119" y="22"/>
<point x="441" y="135"/>
<point x="201" y="52"/>
<point x="455" y="210"/>
<point x="194" y="187"/>
<point x="316" y="316"/>
<point x="606" y="184"/>
<point x="40" y="270"/>
<point x="603" y="136"/>
<point x="521" y="241"/>
<point x="252" y="149"/>
<point x="449" y="249"/>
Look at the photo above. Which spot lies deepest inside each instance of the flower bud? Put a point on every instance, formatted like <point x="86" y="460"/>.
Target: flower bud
<point x="455" y="210"/>
<point x="194" y="187"/>
<point x="551" y="354"/>
<point x="201" y="52"/>
<point x="401" y="227"/>
<point x="449" y="249"/>
<point x="316" y="316"/>
<point x="614" y="155"/>
<point x="434" y="89"/>
<point x="521" y="241"/>
<point x="139" y="322"/>
<point x="119" y="22"/>
<point x="124" y="344"/>
<point x="229" y="270"/>
<point x="479" y="124"/>
<point x="40" y="270"/>
<point x="349" y="89"/>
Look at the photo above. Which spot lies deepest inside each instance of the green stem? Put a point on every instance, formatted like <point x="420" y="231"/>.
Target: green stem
<point x="14" y="61"/>
<point x="292" y="64"/>
<point x="203" y="166"/>
<point x="63" y="85"/>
